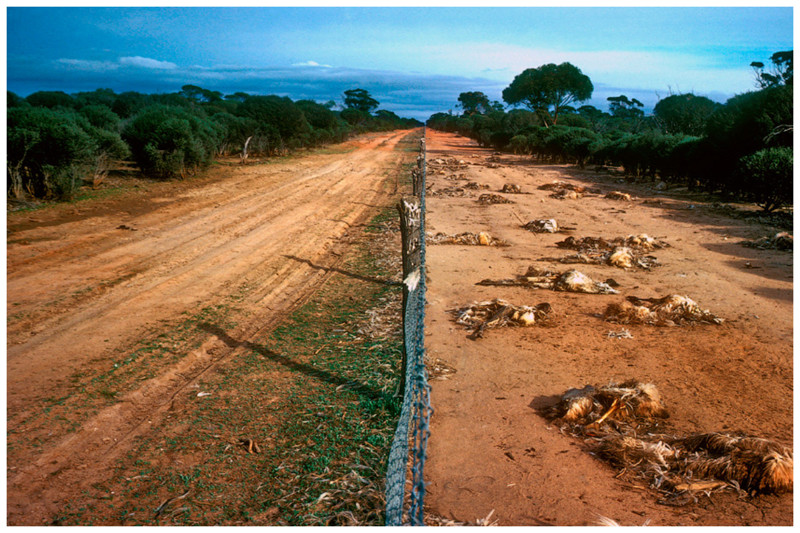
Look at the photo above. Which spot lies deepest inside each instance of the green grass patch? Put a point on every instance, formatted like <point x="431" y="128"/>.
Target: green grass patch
<point x="294" y="429"/>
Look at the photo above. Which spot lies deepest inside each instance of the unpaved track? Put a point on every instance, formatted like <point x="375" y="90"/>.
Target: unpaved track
<point x="491" y="451"/>
<point x="82" y="291"/>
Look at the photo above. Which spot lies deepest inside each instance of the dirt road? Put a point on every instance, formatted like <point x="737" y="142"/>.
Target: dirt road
<point x="736" y="377"/>
<point x="89" y="284"/>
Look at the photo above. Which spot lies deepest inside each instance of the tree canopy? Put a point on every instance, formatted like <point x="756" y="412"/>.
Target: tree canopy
<point x="57" y="142"/>
<point x="684" y="113"/>
<point x="622" y="106"/>
<point x="549" y="88"/>
<point x="474" y="102"/>
<point x="741" y="149"/>
<point x="360" y="99"/>
<point x="782" y="70"/>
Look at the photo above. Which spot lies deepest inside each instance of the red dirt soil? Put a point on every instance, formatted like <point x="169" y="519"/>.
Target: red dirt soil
<point x="491" y="452"/>
<point x="87" y="281"/>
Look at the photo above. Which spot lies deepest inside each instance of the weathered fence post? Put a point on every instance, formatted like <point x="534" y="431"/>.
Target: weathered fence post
<point x="416" y="181"/>
<point x="410" y="224"/>
<point x="413" y="387"/>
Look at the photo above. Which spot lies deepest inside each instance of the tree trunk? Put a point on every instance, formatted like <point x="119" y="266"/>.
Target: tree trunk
<point x="244" y="149"/>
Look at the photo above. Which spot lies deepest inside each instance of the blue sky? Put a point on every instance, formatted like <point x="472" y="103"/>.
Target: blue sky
<point x="414" y="60"/>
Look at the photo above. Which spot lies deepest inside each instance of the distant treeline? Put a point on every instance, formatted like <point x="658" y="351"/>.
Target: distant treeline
<point x="57" y="141"/>
<point x="742" y="149"/>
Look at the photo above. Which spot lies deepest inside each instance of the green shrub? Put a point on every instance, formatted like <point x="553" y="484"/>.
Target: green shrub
<point x="168" y="142"/>
<point x="766" y="177"/>
<point x="48" y="151"/>
<point x="519" y="144"/>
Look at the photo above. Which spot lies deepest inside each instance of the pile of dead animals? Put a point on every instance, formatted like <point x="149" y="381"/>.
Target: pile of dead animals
<point x="480" y="316"/>
<point x="563" y="190"/>
<point x="641" y="242"/>
<point x="570" y="281"/>
<point x="451" y="192"/>
<point x="671" y="310"/>
<point x="617" y="195"/>
<point x="548" y="225"/>
<point x="620" y="257"/>
<point x="622" y="424"/>
<point x="511" y="188"/>
<point x="780" y="241"/>
<point x="466" y="238"/>
<point x="489" y="198"/>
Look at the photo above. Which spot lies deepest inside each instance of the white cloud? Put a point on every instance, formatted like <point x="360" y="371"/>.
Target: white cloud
<point x="309" y="64"/>
<point x="146" y="62"/>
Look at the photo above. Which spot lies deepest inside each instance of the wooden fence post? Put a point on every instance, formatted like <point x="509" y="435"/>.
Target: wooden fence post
<point x="410" y="224"/>
<point x="416" y="182"/>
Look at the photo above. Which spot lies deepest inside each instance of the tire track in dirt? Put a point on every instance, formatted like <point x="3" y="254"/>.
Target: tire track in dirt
<point x="254" y="246"/>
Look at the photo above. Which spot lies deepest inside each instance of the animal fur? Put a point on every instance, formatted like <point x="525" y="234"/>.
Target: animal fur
<point x="498" y="313"/>
<point x="559" y="185"/>
<point x="566" y="194"/>
<point x="542" y="226"/>
<point x="453" y="192"/>
<point x="630" y="400"/>
<point x="488" y="198"/>
<point x="620" y="418"/>
<point x="671" y="310"/>
<point x="780" y="241"/>
<point x="616" y="195"/>
<point x="638" y="243"/>
<point x="475" y="185"/>
<point x="570" y="281"/>
<point x="467" y="238"/>
<point x="620" y="257"/>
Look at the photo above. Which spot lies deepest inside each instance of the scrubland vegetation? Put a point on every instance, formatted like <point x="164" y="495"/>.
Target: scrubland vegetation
<point x="741" y="149"/>
<point x="58" y="141"/>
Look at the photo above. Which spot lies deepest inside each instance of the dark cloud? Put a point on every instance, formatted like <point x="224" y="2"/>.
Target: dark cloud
<point x="413" y="95"/>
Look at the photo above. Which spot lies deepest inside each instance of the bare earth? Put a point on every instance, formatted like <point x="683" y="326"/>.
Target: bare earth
<point x="87" y="281"/>
<point x="491" y="452"/>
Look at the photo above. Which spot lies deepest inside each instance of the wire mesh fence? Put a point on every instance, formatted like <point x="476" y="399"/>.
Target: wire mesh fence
<point x="411" y="436"/>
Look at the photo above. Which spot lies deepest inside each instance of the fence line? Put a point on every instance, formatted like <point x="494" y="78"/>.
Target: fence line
<point x="416" y="411"/>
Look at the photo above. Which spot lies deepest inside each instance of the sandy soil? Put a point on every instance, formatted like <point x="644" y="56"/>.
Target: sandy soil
<point x="490" y="450"/>
<point x="86" y="282"/>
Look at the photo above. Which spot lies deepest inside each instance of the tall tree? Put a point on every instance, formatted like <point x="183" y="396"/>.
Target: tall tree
<point x="549" y="88"/>
<point x="360" y="99"/>
<point x="623" y="107"/>
<point x="198" y="94"/>
<point x="50" y="99"/>
<point x="782" y="70"/>
<point x="684" y="113"/>
<point x="474" y="102"/>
